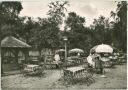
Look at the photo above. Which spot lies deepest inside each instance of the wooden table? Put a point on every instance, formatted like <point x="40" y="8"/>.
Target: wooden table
<point x="73" y="72"/>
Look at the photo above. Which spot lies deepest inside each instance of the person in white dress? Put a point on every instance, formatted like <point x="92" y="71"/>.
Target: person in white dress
<point x="57" y="59"/>
<point x="90" y="61"/>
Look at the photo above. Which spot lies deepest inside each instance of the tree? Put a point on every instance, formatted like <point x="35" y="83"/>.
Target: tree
<point x="120" y="26"/>
<point x="47" y="34"/>
<point x="75" y="22"/>
<point x="101" y="30"/>
<point x="9" y="17"/>
<point x="57" y="11"/>
<point x="27" y="29"/>
<point x="79" y="36"/>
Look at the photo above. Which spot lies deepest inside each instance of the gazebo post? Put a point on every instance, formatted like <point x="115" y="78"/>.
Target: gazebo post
<point x="15" y="52"/>
<point x="26" y="55"/>
<point x="1" y="50"/>
<point x="16" y="55"/>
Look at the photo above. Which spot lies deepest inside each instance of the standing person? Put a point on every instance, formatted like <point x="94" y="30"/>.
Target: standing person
<point x="57" y="59"/>
<point x="90" y="61"/>
<point x="98" y="64"/>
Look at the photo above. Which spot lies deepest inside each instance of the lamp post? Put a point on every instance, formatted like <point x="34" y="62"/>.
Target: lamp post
<point x="65" y="45"/>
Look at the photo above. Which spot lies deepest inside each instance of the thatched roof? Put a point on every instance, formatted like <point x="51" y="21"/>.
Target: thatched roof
<point x="11" y="41"/>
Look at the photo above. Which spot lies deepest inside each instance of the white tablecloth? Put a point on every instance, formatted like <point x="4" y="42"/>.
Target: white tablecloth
<point x="74" y="69"/>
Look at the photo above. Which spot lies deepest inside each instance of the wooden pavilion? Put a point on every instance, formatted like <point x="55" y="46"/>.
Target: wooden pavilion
<point x="12" y="50"/>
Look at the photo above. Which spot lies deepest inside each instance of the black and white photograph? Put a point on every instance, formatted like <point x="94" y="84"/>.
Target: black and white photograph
<point x="63" y="44"/>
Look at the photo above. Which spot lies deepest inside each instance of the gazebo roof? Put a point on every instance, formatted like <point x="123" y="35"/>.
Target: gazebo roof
<point x="12" y="42"/>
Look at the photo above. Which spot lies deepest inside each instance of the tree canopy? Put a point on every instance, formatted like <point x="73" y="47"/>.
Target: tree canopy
<point x="45" y="32"/>
<point x="9" y="17"/>
<point x="120" y="26"/>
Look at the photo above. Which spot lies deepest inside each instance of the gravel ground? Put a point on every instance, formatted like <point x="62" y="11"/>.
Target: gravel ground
<point x="19" y="81"/>
<point x="116" y="79"/>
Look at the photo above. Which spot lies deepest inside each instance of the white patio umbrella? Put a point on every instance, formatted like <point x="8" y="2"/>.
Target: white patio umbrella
<point x="60" y="50"/>
<point x="93" y="49"/>
<point x="77" y="50"/>
<point x="104" y="48"/>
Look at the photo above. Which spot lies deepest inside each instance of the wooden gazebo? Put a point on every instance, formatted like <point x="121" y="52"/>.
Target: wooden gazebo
<point x="14" y="46"/>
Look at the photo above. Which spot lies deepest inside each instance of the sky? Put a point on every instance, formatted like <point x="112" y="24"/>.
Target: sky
<point x="89" y="9"/>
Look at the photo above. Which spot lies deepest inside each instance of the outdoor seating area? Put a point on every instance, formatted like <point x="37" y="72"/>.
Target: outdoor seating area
<point x="75" y="67"/>
<point x="63" y="44"/>
<point x="74" y="59"/>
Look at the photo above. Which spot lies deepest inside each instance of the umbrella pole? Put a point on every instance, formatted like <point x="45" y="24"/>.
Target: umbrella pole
<point x="65" y="54"/>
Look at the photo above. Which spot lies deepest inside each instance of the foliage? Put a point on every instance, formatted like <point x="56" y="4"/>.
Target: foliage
<point x="79" y="36"/>
<point x="101" y="30"/>
<point x="9" y="17"/>
<point x="120" y="26"/>
<point x="57" y="10"/>
<point x="27" y="29"/>
<point x="46" y="33"/>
